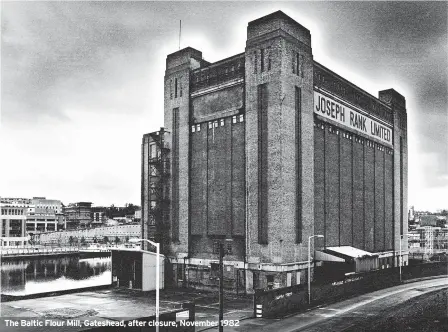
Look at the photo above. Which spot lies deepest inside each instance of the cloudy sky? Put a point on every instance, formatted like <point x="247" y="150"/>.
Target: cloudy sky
<point x="82" y="82"/>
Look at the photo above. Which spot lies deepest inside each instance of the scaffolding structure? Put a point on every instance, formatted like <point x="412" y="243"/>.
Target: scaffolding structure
<point x="158" y="183"/>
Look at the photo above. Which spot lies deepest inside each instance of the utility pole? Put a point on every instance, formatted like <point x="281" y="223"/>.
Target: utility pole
<point x="221" y="286"/>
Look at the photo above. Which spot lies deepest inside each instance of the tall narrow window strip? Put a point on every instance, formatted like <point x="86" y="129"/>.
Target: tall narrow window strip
<point x="175" y="178"/>
<point x="262" y="59"/>
<point x="269" y="58"/>
<point x="171" y="89"/>
<point x="293" y="62"/>
<point x="180" y="87"/>
<point x="401" y="186"/>
<point x="175" y="88"/>
<point x="255" y="62"/>
<point x="262" y="163"/>
<point x="297" y="63"/>
<point x="298" y="143"/>
<point x="301" y="65"/>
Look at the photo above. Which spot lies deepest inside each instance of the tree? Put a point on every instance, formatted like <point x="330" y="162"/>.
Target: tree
<point x="106" y="240"/>
<point x="83" y="240"/>
<point x="117" y="240"/>
<point x="70" y="240"/>
<point x="95" y="239"/>
<point x="127" y="239"/>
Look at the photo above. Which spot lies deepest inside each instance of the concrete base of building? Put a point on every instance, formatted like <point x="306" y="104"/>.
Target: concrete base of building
<point x="243" y="277"/>
<point x="239" y="277"/>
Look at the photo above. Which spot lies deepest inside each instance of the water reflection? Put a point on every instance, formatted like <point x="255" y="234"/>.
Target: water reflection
<point x="31" y="276"/>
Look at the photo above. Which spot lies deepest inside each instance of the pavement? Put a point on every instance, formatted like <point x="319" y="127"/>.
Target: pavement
<point x="120" y="304"/>
<point x="346" y="315"/>
<point x="123" y="304"/>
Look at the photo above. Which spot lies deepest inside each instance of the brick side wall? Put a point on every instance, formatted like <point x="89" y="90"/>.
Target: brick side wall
<point x="379" y="201"/>
<point x="353" y="186"/>
<point x="217" y="202"/>
<point x="346" y="201"/>
<point x="369" y="198"/>
<point x="388" y="199"/>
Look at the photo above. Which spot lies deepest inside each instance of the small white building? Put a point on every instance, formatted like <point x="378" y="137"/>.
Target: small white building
<point x="136" y="269"/>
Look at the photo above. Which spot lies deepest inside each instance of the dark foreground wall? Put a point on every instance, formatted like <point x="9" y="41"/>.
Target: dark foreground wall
<point x="281" y="301"/>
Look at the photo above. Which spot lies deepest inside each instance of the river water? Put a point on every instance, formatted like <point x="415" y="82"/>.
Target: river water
<point x="41" y="275"/>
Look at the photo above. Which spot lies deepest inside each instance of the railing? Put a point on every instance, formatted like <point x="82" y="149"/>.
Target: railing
<point x="9" y="252"/>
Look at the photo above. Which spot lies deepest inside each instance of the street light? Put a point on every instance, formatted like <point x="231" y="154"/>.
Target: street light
<point x="221" y="283"/>
<point x="309" y="265"/>
<point x="157" y="245"/>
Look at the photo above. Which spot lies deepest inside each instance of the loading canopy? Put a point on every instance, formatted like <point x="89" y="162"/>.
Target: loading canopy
<point x="323" y="256"/>
<point x="342" y="254"/>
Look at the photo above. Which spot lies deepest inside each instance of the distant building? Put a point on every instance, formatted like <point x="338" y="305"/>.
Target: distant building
<point x="433" y="239"/>
<point x="78" y="215"/>
<point x="98" y="215"/>
<point x="411" y="214"/>
<point x="432" y="220"/>
<point x="16" y="200"/>
<point x="91" y="235"/>
<point x="47" y="204"/>
<point x="138" y="216"/>
<point x="12" y="225"/>
<point x="43" y="215"/>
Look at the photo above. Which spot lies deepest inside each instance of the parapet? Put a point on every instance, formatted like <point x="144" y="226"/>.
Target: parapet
<point x="392" y="97"/>
<point x="183" y="56"/>
<point x="278" y="21"/>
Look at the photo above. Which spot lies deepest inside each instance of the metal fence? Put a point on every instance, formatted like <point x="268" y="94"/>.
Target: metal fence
<point x="281" y="301"/>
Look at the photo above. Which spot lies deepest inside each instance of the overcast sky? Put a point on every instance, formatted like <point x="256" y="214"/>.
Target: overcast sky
<point x="83" y="81"/>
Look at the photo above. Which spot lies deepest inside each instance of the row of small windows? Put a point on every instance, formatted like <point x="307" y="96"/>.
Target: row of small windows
<point x="265" y="59"/>
<point x="352" y="137"/>
<point x="217" y="123"/>
<point x="12" y="212"/>
<point x="177" y="90"/>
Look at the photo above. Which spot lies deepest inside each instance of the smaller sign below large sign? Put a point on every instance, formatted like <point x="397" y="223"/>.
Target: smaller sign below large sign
<point x="330" y="108"/>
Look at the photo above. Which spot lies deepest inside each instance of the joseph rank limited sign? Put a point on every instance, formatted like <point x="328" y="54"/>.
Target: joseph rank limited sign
<point x="331" y="108"/>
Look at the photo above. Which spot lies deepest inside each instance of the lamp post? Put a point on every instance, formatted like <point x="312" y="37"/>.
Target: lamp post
<point x="221" y="286"/>
<point x="157" y="245"/>
<point x="309" y="265"/>
<point x="222" y="252"/>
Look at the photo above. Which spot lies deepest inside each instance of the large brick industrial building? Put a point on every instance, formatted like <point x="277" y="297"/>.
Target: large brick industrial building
<point x="264" y="149"/>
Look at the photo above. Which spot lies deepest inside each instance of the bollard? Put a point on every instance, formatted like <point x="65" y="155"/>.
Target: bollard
<point x="259" y="311"/>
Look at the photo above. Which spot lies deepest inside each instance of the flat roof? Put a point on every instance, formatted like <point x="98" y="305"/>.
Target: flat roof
<point x="350" y="251"/>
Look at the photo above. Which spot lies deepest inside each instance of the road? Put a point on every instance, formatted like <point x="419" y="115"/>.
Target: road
<point x="347" y="315"/>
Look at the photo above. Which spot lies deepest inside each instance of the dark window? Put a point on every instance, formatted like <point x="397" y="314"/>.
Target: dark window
<point x="229" y="249"/>
<point x="175" y="88"/>
<point x="262" y="163"/>
<point x="269" y="58"/>
<point x="294" y="63"/>
<point x="180" y="88"/>
<point x="297" y="63"/>
<point x="262" y="59"/>
<point x="255" y="62"/>
<point x="298" y="130"/>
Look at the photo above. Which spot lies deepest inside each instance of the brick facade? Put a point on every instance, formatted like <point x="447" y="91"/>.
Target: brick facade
<point x="253" y="165"/>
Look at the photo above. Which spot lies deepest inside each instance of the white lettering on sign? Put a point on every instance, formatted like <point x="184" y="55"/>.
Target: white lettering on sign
<point x="332" y="109"/>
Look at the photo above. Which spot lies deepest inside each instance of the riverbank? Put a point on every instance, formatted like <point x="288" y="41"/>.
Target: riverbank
<point x="14" y="254"/>
<point x="9" y="298"/>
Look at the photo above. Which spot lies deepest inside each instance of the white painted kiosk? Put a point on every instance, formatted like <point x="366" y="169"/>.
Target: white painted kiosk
<point x="136" y="269"/>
